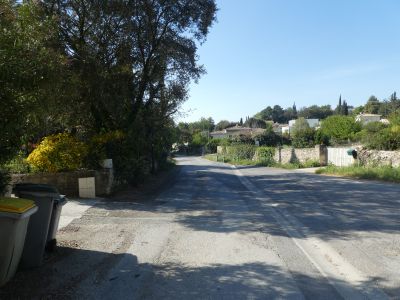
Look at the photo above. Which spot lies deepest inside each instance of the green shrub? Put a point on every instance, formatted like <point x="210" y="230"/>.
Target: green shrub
<point x="268" y="137"/>
<point x="310" y="163"/>
<point x="212" y="145"/>
<point x="303" y="135"/>
<point x="58" y="152"/>
<point x="321" y="138"/>
<point x="4" y="181"/>
<point x="199" y="140"/>
<point x="18" y="165"/>
<point x="385" y="139"/>
<point x="265" y="155"/>
<point x="242" y="139"/>
<point x="340" y="129"/>
<point x="241" y="152"/>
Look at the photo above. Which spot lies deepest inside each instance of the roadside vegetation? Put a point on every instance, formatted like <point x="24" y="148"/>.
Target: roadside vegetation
<point x="385" y="173"/>
<point x="338" y="126"/>
<point x="250" y="155"/>
<point x="262" y="163"/>
<point x="84" y="81"/>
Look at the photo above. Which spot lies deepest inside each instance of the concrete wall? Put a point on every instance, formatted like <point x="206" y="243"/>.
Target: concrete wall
<point x="67" y="183"/>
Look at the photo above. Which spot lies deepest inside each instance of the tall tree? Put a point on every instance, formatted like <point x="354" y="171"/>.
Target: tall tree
<point x="294" y="110"/>
<point x="223" y="124"/>
<point x="394" y="103"/>
<point x="338" y="109"/>
<point x="255" y="123"/>
<point x="372" y="105"/>
<point x="302" y="134"/>
<point x="131" y="64"/>
<point x="128" y="54"/>
<point x="289" y="114"/>
<point x="340" y="128"/>
<point x="316" y="112"/>
<point x="29" y="73"/>
<point x="278" y="114"/>
<point x="345" y="109"/>
<point x="265" y="114"/>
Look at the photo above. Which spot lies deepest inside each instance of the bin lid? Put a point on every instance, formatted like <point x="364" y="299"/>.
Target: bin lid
<point x="15" y="205"/>
<point x="61" y="200"/>
<point x="35" y="187"/>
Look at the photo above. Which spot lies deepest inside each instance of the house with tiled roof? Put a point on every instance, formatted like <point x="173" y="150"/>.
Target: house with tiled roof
<point x="236" y="131"/>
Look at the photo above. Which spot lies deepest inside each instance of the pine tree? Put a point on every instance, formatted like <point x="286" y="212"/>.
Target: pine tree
<point x="241" y="122"/>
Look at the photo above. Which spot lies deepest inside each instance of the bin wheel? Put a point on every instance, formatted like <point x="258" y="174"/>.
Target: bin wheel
<point x="51" y="245"/>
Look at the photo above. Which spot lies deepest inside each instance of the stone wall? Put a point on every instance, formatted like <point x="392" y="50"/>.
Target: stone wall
<point x="320" y="153"/>
<point x="292" y="155"/>
<point x="378" y="158"/>
<point x="67" y="183"/>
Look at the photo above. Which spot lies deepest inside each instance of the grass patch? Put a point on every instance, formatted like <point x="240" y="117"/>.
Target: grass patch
<point x="240" y="162"/>
<point x="385" y="173"/>
<point x="298" y="165"/>
<point x="212" y="157"/>
<point x="261" y="163"/>
<point x="229" y="160"/>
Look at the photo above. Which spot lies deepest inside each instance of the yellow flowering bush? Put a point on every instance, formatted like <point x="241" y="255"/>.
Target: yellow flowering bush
<point x="58" y="152"/>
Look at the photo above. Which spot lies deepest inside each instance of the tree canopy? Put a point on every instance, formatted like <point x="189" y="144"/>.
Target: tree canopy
<point x="340" y="128"/>
<point x="90" y="67"/>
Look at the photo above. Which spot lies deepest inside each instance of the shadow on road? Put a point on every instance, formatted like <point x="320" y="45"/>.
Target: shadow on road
<point x="61" y="275"/>
<point x="82" y="274"/>
<point x="211" y="198"/>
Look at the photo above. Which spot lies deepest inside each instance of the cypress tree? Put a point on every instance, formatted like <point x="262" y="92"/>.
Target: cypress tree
<point x="345" y="108"/>
<point x="339" y="107"/>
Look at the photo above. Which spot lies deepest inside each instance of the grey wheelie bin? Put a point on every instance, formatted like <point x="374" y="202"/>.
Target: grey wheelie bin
<point x="38" y="228"/>
<point x="55" y="219"/>
<point x="14" y="218"/>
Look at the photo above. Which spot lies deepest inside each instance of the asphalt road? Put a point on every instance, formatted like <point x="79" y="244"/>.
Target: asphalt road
<point x="219" y="232"/>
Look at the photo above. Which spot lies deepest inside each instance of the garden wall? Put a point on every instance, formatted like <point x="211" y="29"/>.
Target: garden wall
<point x="379" y="158"/>
<point x="67" y="183"/>
<point x="334" y="155"/>
<point x="292" y="155"/>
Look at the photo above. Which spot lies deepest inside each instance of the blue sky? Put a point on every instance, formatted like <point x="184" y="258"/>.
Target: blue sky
<point x="267" y="52"/>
